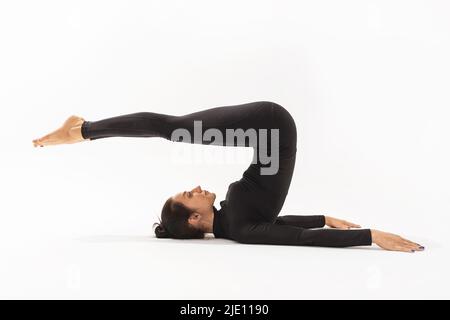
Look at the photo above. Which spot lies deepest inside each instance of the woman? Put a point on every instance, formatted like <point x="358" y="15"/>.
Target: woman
<point x="249" y="214"/>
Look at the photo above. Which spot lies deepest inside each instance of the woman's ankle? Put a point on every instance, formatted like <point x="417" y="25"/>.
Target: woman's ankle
<point x="75" y="133"/>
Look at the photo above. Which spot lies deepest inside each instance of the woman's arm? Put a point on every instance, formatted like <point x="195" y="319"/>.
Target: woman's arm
<point x="276" y="234"/>
<point x="268" y="233"/>
<point x="315" y="221"/>
<point x="311" y="221"/>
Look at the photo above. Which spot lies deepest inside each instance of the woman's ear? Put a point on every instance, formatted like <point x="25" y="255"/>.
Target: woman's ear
<point x="194" y="218"/>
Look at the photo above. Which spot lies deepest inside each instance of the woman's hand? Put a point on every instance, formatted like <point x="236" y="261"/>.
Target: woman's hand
<point x="339" y="224"/>
<point x="390" y="241"/>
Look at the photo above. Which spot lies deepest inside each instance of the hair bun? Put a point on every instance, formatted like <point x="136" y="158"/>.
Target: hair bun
<point x="160" y="231"/>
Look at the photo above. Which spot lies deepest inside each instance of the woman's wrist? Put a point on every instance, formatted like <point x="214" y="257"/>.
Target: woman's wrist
<point x="374" y="234"/>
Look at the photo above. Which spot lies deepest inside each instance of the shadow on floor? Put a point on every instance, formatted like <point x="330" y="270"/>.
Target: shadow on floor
<point x="208" y="240"/>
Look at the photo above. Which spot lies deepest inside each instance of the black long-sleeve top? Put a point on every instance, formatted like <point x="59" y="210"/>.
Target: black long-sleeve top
<point x="239" y="219"/>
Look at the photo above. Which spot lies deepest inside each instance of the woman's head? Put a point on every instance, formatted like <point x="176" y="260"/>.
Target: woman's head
<point x="186" y="215"/>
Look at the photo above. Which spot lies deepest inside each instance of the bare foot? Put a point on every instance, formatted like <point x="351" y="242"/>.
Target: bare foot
<point x="69" y="132"/>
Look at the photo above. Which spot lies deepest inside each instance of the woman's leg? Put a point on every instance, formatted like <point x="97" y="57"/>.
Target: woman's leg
<point x="148" y="124"/>
<point x="275" y="145"/>
<point x="257" y="116"/>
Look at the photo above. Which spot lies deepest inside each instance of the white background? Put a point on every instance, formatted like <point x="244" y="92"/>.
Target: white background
<point x="366" y="81"/>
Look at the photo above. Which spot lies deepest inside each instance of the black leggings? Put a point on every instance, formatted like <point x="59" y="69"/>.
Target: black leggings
<point x="256" y="115"/>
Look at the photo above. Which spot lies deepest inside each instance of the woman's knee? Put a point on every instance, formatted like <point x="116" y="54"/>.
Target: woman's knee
<point x="288" y="130"/>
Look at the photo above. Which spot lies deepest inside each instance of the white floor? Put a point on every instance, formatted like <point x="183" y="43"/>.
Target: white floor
<point x="142" y="267"/>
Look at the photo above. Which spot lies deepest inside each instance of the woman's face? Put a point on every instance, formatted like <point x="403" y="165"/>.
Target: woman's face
<point x="196" y="199"/>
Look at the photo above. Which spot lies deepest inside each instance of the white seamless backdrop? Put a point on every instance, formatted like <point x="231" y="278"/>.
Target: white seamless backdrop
<point x="366" y="81"/>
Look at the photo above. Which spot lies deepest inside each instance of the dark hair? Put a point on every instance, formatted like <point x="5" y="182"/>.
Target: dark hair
<point x="174" y="222"/>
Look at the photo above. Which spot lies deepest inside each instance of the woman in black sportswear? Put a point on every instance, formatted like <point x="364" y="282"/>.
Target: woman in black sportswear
<point x="249" y="214"/>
